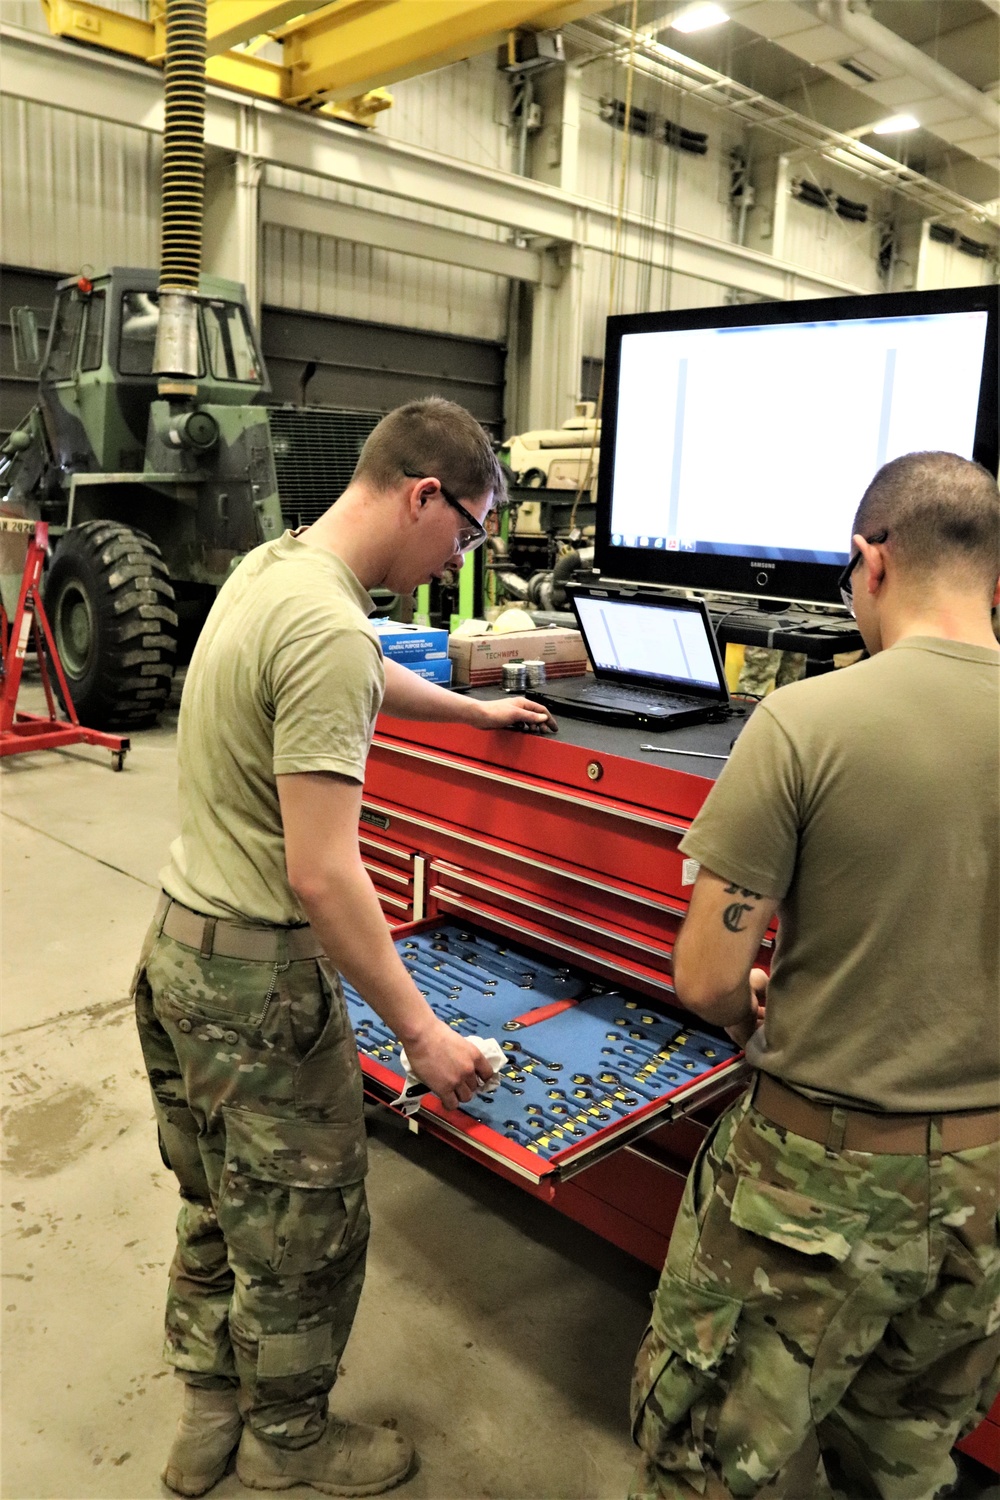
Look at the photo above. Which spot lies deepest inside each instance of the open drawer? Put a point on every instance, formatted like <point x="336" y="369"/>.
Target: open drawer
<point x="591" y="1065"/>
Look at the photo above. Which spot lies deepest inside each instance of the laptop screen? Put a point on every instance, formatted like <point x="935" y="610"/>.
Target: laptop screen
<point x="659" y="642"/>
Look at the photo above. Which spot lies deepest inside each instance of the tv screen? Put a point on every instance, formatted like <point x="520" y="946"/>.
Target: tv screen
<point x="737" y="442"/>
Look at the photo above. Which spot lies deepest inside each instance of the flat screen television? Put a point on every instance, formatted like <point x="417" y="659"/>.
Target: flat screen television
<point x="736" y="442"/>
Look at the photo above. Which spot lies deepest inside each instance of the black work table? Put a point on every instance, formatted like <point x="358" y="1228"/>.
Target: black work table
<point x="615" y="739"/>
<point x="819" y="637"/>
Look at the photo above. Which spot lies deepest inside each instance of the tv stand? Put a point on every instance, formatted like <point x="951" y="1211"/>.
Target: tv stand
<point x="788" y="627"/>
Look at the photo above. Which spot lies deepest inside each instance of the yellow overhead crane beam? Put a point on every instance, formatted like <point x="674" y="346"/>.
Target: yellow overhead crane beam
<point x="353" y="45"/>
<point x="233" y="21"/>
<point x="335" y="57"/>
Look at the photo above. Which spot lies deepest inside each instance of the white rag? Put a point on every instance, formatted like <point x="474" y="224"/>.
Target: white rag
<point x="414" y="1088"/>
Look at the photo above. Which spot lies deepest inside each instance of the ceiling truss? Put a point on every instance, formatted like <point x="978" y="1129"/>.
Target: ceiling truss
<point x="797" y="130"/>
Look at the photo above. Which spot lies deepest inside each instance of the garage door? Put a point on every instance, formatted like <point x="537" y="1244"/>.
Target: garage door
<point x="21" y="289"/>
<point x="322" y="361"/>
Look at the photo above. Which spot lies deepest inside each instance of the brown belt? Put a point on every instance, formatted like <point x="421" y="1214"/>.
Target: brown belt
<point x="856" y="1130"/>
<point x="225" y="939"/>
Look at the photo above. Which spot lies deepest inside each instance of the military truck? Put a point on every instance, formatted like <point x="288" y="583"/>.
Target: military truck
<point x="557" y="458"/>
<point x="151" y="500"/>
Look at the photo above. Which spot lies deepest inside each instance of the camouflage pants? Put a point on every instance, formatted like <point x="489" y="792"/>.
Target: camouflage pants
<point x="765" y="669"/>
<point x="824" y="1325"/>
<point x="257" y="1092"/>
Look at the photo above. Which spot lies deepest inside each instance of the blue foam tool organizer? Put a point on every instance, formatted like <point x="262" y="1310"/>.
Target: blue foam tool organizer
<point x="568" y="1077"/>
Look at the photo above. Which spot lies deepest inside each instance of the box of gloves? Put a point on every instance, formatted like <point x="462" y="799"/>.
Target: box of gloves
<point x="412" y="644"/>
<point x="434" y="671"/>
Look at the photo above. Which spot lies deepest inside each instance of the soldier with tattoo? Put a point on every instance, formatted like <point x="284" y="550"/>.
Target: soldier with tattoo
<point x="828" y="1318"/>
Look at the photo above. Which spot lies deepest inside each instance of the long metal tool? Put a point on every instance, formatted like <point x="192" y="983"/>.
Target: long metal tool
<point x="669" y="750"/>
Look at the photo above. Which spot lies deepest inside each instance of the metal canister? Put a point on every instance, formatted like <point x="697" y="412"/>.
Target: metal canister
<point x="514" y="677"/>
<point x="535" y="671"/>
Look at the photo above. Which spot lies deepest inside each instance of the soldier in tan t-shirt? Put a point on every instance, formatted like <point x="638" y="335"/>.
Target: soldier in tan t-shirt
<point x="826" y="1322"/>
<point x="250" y="1054"/>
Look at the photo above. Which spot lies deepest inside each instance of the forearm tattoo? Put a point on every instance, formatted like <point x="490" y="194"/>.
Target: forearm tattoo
<point x="734" y="913"/>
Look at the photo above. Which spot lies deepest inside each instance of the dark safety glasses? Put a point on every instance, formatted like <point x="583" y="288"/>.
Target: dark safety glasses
<point x="845" y="582"/>
<point x="472" y="533"/>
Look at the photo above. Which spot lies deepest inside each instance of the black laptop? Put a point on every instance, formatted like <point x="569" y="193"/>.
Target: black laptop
<point x="655" y="660"/>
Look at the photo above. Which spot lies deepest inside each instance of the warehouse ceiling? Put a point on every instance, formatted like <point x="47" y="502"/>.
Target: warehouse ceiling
<point x="806" y="74"/>
<point x="848" y="65"/>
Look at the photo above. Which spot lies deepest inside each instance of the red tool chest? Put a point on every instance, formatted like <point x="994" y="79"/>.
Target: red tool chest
<point x="566" y="845"/>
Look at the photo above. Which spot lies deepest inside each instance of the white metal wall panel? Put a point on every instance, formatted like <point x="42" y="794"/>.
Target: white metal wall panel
<point x="26" y="13"/>
<point x="458" y="111"/>
<point x="451" y="111"/>
<point x="638" y="288"/>
<point x="316" y="273"/>
<point x="29" y="14"/>
<point x="76" y="190"/>
<point x="818" y="240"/>
<point x="665" y="185"/>
<point x="946" y="265"/>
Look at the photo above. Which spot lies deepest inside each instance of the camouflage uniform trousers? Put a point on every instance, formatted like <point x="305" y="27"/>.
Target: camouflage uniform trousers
<point x="765" y="669"/>
<point x="825" y="1325"/>
<point x="258" y="1099"/>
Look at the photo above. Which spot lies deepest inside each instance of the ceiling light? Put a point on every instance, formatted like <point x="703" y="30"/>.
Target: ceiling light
<point x="896" y="123"/>
<point x="699" y="17"/>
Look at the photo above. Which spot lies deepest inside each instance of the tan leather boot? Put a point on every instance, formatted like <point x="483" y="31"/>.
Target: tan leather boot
<point x="349" y="1459"/>
<point x="208" y="1431"/>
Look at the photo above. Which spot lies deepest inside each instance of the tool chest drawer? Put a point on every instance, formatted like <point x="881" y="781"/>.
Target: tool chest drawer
<point x="626" y="842"/>
<point x="556" y="883"/>
<point x="591" y="1065"/>
<point x="610" y="953"/>
<point x="397" y="873"/>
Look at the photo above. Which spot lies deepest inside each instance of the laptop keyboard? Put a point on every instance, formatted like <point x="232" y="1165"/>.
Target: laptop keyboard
<point x="637" y="698"/>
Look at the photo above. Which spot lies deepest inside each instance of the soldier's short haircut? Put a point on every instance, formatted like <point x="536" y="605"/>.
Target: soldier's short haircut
<point x="942" y="513"/>
<point x="437" y="438"/>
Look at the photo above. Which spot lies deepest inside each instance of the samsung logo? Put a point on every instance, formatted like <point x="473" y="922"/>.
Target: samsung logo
<point x="755" y="564"/>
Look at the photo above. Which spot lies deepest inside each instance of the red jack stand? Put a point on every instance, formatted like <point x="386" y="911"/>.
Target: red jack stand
<point x="20" y="733"/>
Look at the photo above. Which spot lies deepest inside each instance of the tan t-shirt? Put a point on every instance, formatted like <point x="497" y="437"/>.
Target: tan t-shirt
<point x="287" y="676"/>
<point x="867" y="802"/>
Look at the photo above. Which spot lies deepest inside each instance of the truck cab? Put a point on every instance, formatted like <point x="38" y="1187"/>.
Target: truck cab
<point x="97" y="373"/>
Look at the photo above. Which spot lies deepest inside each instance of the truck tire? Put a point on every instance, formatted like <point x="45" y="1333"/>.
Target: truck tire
<point x="110" y="604"/>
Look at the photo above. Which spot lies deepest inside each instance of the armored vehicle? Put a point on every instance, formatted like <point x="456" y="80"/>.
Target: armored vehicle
<point x="151" y="499"/>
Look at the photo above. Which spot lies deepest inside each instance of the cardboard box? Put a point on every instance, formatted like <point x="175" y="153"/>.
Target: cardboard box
<point x="477" y="659"/>
<point x="434" y="671"/>
<point x="412" y="643"/>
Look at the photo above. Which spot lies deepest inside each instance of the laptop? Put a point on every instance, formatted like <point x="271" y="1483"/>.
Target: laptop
<point x="655" y="660"/>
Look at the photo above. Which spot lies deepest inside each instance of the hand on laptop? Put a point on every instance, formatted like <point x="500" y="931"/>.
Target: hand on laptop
<point x="514" y="713"/>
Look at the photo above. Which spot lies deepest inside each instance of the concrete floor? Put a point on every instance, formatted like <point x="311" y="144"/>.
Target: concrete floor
<point x="499" y="1334"/>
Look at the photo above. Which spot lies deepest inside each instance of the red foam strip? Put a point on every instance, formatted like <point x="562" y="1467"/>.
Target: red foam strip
<point x="543" y="1012"/>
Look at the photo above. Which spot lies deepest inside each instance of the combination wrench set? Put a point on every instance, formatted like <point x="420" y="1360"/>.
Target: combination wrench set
<point x="582" y="1056"/>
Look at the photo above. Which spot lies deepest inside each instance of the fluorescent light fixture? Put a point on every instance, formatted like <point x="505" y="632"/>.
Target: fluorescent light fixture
<point x="699" y="17"/>
<point x="896" y="123"/>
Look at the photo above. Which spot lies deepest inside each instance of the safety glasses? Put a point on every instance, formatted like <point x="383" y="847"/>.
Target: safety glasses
<point x="846" y="582"/>
<point x="472" y="533"/>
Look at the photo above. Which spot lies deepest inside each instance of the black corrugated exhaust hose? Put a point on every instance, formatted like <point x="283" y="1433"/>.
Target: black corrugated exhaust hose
<point x="183" y="146"/>
<point x="176" y="359"/>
